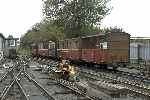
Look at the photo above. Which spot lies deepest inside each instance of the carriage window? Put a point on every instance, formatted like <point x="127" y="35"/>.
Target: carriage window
<point x="45" y="45"/>
<point x="53" y="45"/>
<point x="103" y="45"/>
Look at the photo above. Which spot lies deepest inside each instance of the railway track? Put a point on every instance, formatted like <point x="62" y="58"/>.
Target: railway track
<point x="13" y="85"/>
<point x="5" y="81"/>
<point x="131" y="78"/>
<point x="32" y="88"/>
<point x="14" y="91"/>
<point x="132" y="82"/>
<point x="129" y="84"/>
<point x="132" y="86"/>
<point x="126" y="77"/>
<point x="4" y="67"/>
<point x="76" y="89"/>
<point x="59" y="88"/>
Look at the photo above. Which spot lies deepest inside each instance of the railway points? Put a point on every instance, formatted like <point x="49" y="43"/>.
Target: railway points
<point x="31" y="79"/>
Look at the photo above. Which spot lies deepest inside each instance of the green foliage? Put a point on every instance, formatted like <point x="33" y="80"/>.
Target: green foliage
<point x="76" y="16"/>
<point x="67" y="19"/>
<point x="50" y="31"/>
<point x="41" y="32"/>
<point x="113" y="29"/>
<point x="24" y="51"/>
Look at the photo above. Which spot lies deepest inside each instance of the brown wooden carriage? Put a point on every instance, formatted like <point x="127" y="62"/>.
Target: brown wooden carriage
<point x="100" y="49"/>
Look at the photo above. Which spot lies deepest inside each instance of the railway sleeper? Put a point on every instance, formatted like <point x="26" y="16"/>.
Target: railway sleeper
<point x="74" y="87"/>
<point x="64" y="92"/>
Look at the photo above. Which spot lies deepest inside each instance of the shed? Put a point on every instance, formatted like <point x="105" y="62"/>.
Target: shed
<point x="139" y="49"/>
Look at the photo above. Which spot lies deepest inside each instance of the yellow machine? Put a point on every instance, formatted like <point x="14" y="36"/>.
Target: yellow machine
<point x="66" y="71"/>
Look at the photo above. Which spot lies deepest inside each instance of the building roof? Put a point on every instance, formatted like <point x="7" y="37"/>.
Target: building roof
<point x="10" y="37"/>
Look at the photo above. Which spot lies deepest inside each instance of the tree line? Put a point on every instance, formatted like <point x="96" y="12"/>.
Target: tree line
<point x="68" y="19"/>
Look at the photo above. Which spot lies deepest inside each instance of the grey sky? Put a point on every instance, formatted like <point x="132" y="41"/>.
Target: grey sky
<point x="132" y="15"/>
<point x="17" y="16"/>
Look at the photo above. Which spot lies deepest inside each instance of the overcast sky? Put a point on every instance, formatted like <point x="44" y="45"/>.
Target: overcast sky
<point x="132" y="15"/>
<point x="17" y="16"/>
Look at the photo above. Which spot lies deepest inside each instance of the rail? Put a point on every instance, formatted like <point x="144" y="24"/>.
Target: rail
<point x="39" y="86"/>
<point x="125" y="83"/>
<point x="76" y="89"/>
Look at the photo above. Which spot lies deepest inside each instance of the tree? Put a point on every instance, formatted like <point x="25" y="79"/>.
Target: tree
<point x="113" y="29"/>
<point x="50" y="31"/>
<point x="76" y="15"/>
<point x="41" y="32"/>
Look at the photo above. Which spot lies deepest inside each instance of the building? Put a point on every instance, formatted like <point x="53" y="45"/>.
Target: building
<point x="139" y="49"/>
<point x="2" y="45"/>
<point x="11" y="42"/>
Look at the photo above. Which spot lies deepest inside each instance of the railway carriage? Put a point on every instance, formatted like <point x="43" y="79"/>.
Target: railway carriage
<point x="107" y="49"/>
<point x="44" y="49"/>
<point x="69" y="49"/>
<point x="52" y="50"/>
<point x="40" y="49"/>
<point x="102" y="49"/>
